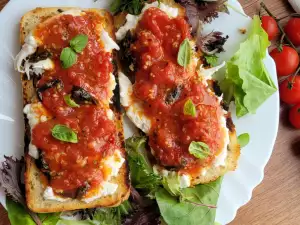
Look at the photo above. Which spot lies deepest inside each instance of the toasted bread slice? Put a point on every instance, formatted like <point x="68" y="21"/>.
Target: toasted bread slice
<point x="233" y="149"/>
<point x="33" y="176"/>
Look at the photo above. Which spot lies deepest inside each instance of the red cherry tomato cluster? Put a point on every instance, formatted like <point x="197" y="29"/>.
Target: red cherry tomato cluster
<point x="287" y="61"/>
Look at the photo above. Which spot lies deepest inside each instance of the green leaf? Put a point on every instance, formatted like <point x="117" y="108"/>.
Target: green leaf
<point x="216" y="223"/>
<point x="195" y="207"/>
<point x="244" y="139"/>
<point x="49" y="218"/>
<point x="17" y="214"/>
<point x="199" y="149"/>
<point x="211" y="60"/>
<point x="115" y="6"/>
<point x="70" y="102"/>
<point x="107" y="216"/>
<point x="64" y="133"/>
<point x="246" y="77"/>
<point x="184" y="53"/>
<point x="141" y="171"/>
<point x="189" y="108"/>
<point x="172" y="183"/>
<point x="68" y="58"/>
<point x="79" y="42"/>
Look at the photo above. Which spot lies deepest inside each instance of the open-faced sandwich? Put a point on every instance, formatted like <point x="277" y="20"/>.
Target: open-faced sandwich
<point x="75" y="155"/>
<point x="83" y="69"/>
<point x="168" y="94"/>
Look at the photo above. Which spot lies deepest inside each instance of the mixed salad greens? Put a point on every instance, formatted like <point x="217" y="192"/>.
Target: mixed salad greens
<point x="155" y="199"/>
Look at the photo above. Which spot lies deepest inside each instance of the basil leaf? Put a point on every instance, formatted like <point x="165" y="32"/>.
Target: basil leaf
<point x="17" y="214"/>
<point x="79" y="42"/>
<point x="199" y="149"/>
<point x="212" y="60"/>
<point x="68" y="58"/>
<point x="70" y="102"/>
<point x="172" y="183"/>
<point x="196" y="208"/>
<point x="184" y="53"/>
<point x="189" y="109"/>
<point x="64" y="133"/>
<point x="244" y="139"/>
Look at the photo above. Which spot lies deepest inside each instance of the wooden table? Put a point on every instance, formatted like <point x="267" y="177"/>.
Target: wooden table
<point x="277" y="199"/>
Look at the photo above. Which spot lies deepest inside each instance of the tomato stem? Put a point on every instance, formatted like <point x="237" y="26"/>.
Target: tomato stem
<point x="279" y="26"/>
<point x="290" y="15"/>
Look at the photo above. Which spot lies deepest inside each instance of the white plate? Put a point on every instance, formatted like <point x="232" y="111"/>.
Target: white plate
<point x="237" y="186"/>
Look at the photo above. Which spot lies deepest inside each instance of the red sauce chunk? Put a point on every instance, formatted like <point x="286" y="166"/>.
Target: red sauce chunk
<point x="72" y="165"/>
<point x="159" y="79"/>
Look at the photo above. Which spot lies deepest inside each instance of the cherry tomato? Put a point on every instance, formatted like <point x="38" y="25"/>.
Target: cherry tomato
<point x="286" y="61"/>
<point x="292" y="30"/>
<point x="270" y="26"/>
<point x="294" y="116"/>
<point x="290" y="90"/>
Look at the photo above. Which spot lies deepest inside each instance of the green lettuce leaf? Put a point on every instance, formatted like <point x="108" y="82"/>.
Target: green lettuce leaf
<point x="246" y="80"/>
<point x="195" y="207"/>
<point x="172" y="184"/>
<point x="141" y="171"/>
<point x="17" y="214"/>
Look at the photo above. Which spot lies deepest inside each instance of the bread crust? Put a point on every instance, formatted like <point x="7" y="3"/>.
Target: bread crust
<point x="33" y="186"/>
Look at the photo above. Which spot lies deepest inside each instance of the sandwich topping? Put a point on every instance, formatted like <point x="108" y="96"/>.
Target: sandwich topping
<point x="170" y="100"/>
<point x="77" y="142"/>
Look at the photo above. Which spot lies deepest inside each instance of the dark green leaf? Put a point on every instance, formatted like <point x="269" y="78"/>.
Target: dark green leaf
<point x="115" y="6"/>
<point x="244" y="139"/>
<point x="142" y="176"/>
<point x="189" y="109"/>
<point x="184" y="53"/>
<point x="199" y="149"/>
<point x="17" y="214"/>
<point x="70" y="102"/>
<point x="64" y="133"/>
<point x="212" y="60"/>
<point x="68" y="58"/>
<point x="79" y="42"/>
<point x="196" y="207"/>
<point x="130" y="6"/>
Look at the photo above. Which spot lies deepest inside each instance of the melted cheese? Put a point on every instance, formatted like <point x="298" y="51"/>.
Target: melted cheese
<point x="109" y="43"/>
<point x="28" y="49"/>
<point x="132" y="20"/>
<point x="35" y="113"/>
<point x="49" y="195"/>
<point x="73" y="12"/>
<point x="125" y="90"/>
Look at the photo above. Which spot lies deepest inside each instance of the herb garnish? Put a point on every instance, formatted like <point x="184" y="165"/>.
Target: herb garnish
<point x="244" y="139"/>
<point x="189" y="109"/>
<point x="64" y="133"/>
<point x="199" y="149"/>
<point x="68" y="56"/>
<point x="70" y="102"/>
<point x="184" y="53"/>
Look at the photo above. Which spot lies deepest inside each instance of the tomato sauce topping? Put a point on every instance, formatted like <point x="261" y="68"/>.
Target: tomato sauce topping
<point x="159" y="79"/>
<point x="72" y="165"/>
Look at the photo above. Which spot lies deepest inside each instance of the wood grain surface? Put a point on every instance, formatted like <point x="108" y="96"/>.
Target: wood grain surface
<point x="276" y="201"/>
